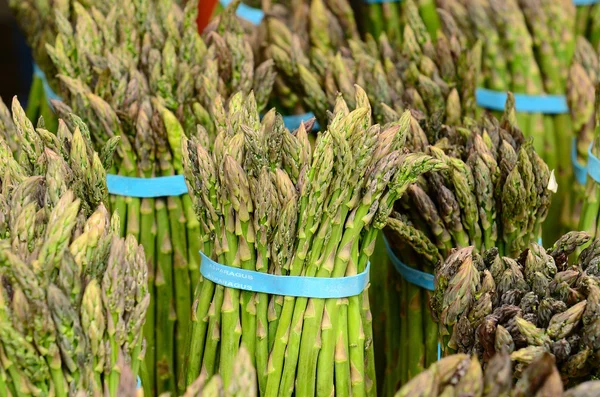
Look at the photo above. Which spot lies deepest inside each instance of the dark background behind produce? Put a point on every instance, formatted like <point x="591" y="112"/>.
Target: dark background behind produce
<point x="15" y="63"/>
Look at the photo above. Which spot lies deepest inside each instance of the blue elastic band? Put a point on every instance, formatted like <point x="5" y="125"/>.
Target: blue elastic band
<point x="146" y="187"/>
<point x="593" y="166"/>
<point x="579" y="170"/>
<point x="546" y="104"/>
<point x="413" y="276"/>
<point x="585" y="2"/>
<point x="293" y="122"/>
<point x="307" y="287"/>
<point x="50" y="94"/>
<point x="139" y="383"/>
<point x="251" y="14"/>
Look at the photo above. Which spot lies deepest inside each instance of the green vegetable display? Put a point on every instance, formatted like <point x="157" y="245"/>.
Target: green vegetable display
<point x="73" y="294"/>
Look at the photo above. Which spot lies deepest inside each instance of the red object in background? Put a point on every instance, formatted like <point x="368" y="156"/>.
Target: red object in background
<point x="205" y="11"/>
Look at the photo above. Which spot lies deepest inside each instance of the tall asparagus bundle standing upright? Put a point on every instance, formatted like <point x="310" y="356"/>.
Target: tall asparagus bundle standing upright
<point x="493" y="193"/>
<point x="436" y="78"/>
<point x="460" y="374"/>
<point x="529" y="305"/>
<point x="274" y="205"/>
<point x="139" y="70"/>
<point x="73" y="294"/>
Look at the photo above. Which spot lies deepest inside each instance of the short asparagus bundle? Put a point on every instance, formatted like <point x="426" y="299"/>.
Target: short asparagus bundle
<point x="532" y="304"/>
<point x="140" y="70"/>
<point x="243" y="382"/>
<point x="436" y="78"/>
<point x="388" y="17"/>
<point x="269" y="203"/>
<point x="460" y="374"/>
<point x="73" y="294"/>
<point x="493" y="193"/>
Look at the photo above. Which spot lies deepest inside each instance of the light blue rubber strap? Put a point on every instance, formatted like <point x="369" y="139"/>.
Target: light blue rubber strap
<point x="593" y="166"/>
<point x="50" y="94"/>
<point x="293" y="122"/>
<point x="585" y="2"/>
<point x="546" y="104"/>
<point x="413" y="276"/>
<point x="146" y="187"/>
<point x="307" y="287"/>
<point x="251" y="14"/>
<point x="579" y="170"/>
<point x="139" y="383"/>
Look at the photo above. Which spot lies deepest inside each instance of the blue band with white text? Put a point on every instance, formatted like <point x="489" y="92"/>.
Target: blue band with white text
<point x="307" y="287"/>
<point x="546" y="104"/>
<point x="593" y="166"/>
<point x="146" y="187"/>
<point x="580" y="171"/>
<point x="413" y="276"/>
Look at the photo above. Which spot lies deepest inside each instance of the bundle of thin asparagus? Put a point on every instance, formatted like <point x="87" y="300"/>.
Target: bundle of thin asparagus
<point x="493" y="193"/>
<point x="389" y="17"/>
<point x="460" y="375"/>
<point x="532" y="304"/>
<point x="268" y="203"/>
<point x="140" y="70"/>
<point x="528" y="47"/>
<point x="436" y="78"/>
<point x="73" y="294"/>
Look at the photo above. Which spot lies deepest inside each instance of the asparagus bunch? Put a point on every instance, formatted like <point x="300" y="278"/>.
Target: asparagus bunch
<point x="494" y="192"/>
<point x="529" y="305"/>
<point x="460" y="374"/>
<point x="73" y="294"/>
<point x="528" y="47"/>
<point x="389" y="17"/>
<point x="140" y="70"/>
<point x="436" y="78"/>
<point x="270" y="203"/>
